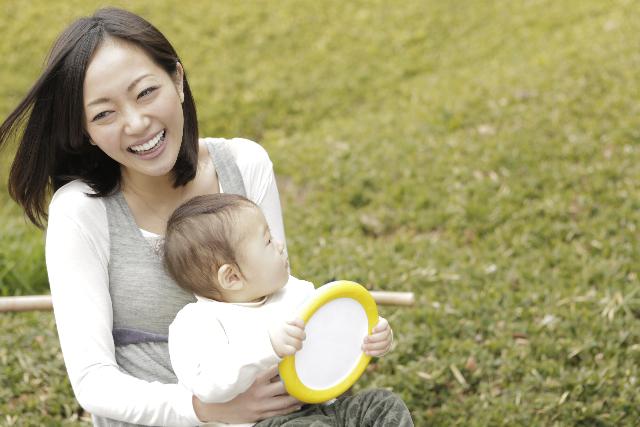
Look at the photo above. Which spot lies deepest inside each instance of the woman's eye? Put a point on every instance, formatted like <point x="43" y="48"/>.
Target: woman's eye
<point x="100" y="115"/>
<point x="147" y="92"/>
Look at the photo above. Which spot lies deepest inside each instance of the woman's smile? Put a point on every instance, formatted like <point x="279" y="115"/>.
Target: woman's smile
<point x="152" y="148"/>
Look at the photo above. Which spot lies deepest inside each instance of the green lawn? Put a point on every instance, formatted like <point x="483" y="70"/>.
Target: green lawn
<point x="482" y="154"/>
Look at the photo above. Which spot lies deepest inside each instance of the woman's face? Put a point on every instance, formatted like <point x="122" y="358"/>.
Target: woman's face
<point x="133" y="109"/>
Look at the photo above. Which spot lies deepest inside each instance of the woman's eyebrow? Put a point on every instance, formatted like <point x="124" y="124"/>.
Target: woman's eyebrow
<point x="135" y="82"/>
<point x="129" y="88"/>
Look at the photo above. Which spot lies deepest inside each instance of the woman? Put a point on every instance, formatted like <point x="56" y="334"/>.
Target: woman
<point x="111" y="127"/>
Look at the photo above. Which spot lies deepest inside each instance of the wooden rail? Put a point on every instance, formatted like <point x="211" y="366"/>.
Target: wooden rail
<point x="25" y="303"/>
<point x="43" y="302"/>
<point x="393" y="298"/>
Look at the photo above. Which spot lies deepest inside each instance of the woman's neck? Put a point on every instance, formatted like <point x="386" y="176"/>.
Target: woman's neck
<point x="155" y="190"/>
<point x="152" y="200"/>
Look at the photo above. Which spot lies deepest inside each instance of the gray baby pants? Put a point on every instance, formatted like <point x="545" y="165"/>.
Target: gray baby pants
<point x="369" y="408"/>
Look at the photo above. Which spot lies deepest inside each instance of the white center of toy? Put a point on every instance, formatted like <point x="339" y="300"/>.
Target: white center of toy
<point x="333" y="345"/>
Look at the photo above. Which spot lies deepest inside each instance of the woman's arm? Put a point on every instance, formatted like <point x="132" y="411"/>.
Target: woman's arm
<point x="77" y="251"/>
<point x="260" y="182"/>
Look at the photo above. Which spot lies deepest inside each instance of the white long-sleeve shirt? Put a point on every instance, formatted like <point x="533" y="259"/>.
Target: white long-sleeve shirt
<point x="77" y="256"/>
<point x="217" y="349"/>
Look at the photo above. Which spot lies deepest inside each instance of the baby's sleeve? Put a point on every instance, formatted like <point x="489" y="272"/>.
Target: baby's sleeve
<point x="214" y="365"/>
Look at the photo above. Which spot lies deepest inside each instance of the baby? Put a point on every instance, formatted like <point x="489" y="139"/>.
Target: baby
<point x="220" y="248"/>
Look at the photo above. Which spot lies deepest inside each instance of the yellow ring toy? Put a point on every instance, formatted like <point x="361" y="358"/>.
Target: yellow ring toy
<point x="337" y="318"/>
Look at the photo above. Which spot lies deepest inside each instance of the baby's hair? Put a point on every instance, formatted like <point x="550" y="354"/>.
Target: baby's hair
<point x="201" y="236"/>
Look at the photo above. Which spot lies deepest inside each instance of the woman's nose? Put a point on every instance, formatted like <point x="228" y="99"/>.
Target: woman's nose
<point x="135" y="121"/>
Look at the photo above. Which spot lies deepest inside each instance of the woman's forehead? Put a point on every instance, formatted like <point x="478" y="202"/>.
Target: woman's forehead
<point x="115" y="65"/>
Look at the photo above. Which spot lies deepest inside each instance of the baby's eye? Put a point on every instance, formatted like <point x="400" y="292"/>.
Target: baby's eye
<point x="147" y="91"/>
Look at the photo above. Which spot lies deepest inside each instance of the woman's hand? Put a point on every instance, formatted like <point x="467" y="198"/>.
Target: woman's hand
<point x="380" y="340"/>
<point x="264" y="399"/>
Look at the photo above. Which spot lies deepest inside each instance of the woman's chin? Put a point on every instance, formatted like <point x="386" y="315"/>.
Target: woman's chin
<point x="159" y="171"/>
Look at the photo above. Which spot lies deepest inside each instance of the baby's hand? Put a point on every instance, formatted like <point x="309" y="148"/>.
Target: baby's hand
<point x="380" y="340"/>
<point x="286" y="338"/>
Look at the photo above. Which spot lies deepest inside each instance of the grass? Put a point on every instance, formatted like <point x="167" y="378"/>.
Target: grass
<point x="482" y="154"/>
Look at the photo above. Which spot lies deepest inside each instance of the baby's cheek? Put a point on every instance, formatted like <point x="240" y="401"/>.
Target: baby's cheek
<point x="284" y="277"/>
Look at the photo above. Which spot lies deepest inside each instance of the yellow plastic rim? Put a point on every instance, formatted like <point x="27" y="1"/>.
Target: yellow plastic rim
<point x="325" y="294"/>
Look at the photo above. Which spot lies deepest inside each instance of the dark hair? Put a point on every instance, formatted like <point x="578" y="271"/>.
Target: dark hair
<point x="54" y="148"/>
<point x="201" y="236"/>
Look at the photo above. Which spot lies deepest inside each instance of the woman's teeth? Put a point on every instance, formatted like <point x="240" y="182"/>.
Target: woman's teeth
<point x="149" y="145"/>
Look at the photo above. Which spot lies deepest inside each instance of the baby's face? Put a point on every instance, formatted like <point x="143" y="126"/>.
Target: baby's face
<point x="262" y="259"/>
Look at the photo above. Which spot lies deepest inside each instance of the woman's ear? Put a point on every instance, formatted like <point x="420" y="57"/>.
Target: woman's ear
<point x="178" y="80"/>
<point x="230" y="278"/>
<point x="88" y="137"/>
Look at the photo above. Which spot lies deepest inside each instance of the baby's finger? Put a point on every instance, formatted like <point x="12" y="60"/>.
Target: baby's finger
<point x="289" y="349"/>
<point x="294" y="342"/>
<point x="296" y="322"/>
<point x="298" y="345"/>
<point x="376" y="353"/>
<point x="295" y="332"/>
<point x="377" y="350"/>
<point x="382" y="345"/>
<point x="381" y="326"/>
<point x="380" y="336"/>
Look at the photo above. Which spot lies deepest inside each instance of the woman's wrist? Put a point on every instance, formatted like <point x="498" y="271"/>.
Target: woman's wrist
<point x="199" y="409"/>
<point x="196" y="407"/>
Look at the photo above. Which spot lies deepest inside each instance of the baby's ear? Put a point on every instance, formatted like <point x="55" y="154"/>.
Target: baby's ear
<point x="229" y="278"/>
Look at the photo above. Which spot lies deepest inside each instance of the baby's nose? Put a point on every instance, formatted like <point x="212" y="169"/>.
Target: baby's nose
<point x="279" y="246"/>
